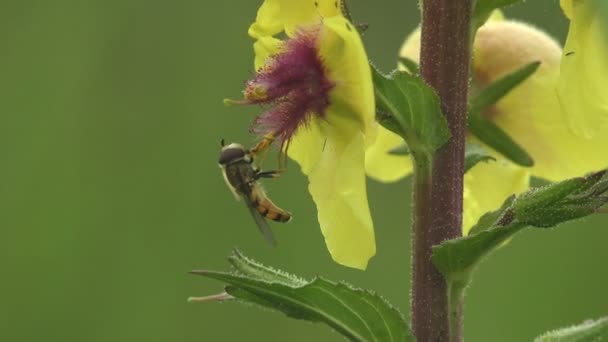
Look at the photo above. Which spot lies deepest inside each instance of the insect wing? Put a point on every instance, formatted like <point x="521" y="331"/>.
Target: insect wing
<point x="261" y="222"/>
<point x="241" y="181"/>
<point x="232" y="189"/>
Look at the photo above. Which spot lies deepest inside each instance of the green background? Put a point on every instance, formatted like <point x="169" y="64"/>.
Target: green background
<point x="110" y="118"/>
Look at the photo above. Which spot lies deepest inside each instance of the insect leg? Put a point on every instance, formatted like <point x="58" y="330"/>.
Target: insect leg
<point x="268" y="174"/>
<point x="263" y="145"/>
<point x="283" y="156"/>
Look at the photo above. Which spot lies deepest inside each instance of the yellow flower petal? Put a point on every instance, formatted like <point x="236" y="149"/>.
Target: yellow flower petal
<point x="333" y="157"/>
<point x="411" y="46"/>
<point x="337" y="185"/>
<point x="531" y="113"/>
<point x="267" y="22"/>
<point x="263" y="48"/>
<point x="330" y="149"/>
<point x="496" y="15"/>
<point x="382" y="166"/>
<point x="275" y="16"/>
<point x="306" y="146"/>
<point x="348" y="67"/>
<point x="297" y="13"/>
<point x="566" y="7"/>
<point x="487" y="186"/>
<point x="583" y="83"/>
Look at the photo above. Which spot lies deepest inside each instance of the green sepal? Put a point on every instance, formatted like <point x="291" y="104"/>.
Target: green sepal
<point x="493" y="136"/>
<point x="564" y="201"/>
<point x="357" y="314"/>
<point x="501" y="87"/>
<point x="588" y="331"/>
<point x="542" y="208"/>
<point x="475" y="153"/>
<point x="409" y="107"/>
<point x="402" y="150"/>
<point x="483" y="9"/>
<point x="491" y="218"/>
<point x="487" y="131"/>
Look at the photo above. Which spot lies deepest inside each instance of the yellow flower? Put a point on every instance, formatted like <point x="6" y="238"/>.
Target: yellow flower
<point x="318" y="89"/>
<point x="531" y="114"/>
<point x="583" y="84"/>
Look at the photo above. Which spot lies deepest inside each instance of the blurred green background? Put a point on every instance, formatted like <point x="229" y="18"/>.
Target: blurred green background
<point x="110" y="117"/>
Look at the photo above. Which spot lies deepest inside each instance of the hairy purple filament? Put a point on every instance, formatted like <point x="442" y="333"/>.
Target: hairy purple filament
<point x="294" y="84"/>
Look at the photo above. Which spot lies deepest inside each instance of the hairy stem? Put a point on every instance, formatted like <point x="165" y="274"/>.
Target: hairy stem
<point x="444" y="64"/>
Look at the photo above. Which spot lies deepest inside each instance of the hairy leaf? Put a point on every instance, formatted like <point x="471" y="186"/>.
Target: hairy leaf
<point x="491" y="218"/>
<point x="357" y="314"/>
<point x="588" y="331"/>
<point x="542" y="208"/>
<point x="415" y="107"/>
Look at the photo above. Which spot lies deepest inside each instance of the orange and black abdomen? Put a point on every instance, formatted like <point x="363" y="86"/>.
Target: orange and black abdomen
<point x="267" y="209"/>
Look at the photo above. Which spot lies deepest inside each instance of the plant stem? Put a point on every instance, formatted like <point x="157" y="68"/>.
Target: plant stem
<point x="444" y="64"/>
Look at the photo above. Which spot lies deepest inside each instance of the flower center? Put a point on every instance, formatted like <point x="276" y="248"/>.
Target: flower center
<point x="294" y="84"/>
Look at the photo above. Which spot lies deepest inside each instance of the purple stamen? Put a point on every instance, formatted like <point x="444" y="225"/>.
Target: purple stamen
<point x="294" y="84"/>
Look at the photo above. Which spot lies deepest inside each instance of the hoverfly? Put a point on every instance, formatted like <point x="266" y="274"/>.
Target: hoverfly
<point x="242" y="174"/>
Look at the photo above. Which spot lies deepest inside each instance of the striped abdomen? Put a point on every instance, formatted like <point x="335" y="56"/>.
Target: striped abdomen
<point x="266" y="208"/>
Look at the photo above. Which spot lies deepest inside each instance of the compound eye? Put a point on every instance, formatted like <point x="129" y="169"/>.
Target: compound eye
<point x="230" y="155"/>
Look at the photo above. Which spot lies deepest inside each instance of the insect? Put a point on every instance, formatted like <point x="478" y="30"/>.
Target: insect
<point x="242" y="174"/>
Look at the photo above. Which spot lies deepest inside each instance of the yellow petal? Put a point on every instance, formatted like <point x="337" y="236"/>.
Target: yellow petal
<point x="411" y="46"/>
<point x="298" y="13"/>
<point x="487" y="186"/>
<point x="337" y="185"/>
<point x="566" y="7"/>
<point x="348" y="67"/>
<point x="267" y="22"/>
<point x="331" y="150"/>
<point x="263" y="48"/>
<point x="333" y="159"/>
<point x="382" y="166"/>
<point x="496" y="15"/>
<point x="275" y="16"/>
<point x="583" y="83"/>
<point x="531" y="113"/>
<point x="306" y="146"/>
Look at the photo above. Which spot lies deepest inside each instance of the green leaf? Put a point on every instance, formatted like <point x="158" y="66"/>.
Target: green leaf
<point x="252" y="268"/>
<point x="487" y="131"/>
<point x="410" y="65"/>
<point x="457" y="258"/>
<point x="501" y="87"/>
<point x="499" y="140"/>
<point x="475" y="153"/>
<point x="402" y="150"/>
<point x="588" y="331"/>
<point x="388" y="121"/>
<point x="414" y="107"/>
<point x="564" y="201"/>
<point x="542" y="208"/>
<point x="491" y="218"/>
<point x="483" y="10"/>
<point x="357" y="314"/>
